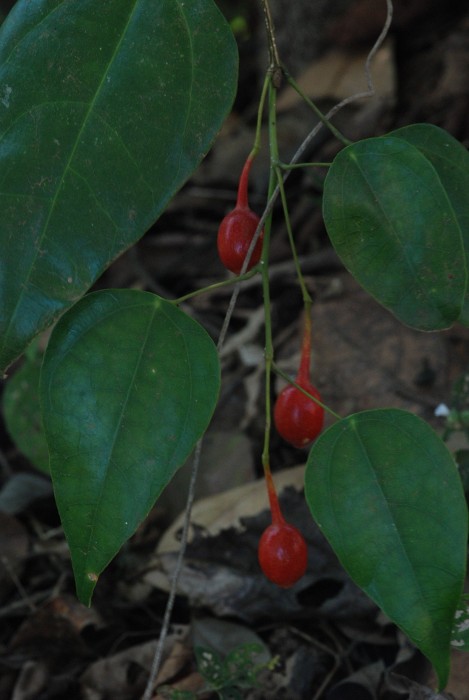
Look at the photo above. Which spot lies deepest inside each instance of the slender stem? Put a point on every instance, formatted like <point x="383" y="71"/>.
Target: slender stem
<point x="216" y="285"/>
<point x="284" y="375"/>
<point x="260" y="112"/>
<point x="322" y="117"/>
<point x="304" y="290"/>
<point x="297" y="166"/>
<point x="254" y="151"/>
<point x="269" y="350"/>
<point x="277" y="515"/>
<point x="156" y="663"/>
<point x="303" y="375"/>
<point x="242" y="198"/>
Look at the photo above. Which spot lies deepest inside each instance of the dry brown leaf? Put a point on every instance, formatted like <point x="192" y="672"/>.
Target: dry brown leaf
<point x="110" y="677"/>
<point x="226" y="509"/>
<point x="341" y="73"/>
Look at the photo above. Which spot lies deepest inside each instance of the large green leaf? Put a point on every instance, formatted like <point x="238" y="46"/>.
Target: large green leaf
<point x="106" y="107"/>
<point x="386" y="493"/>
<point x="128" y="385"/>
<point x="451" y="162"/>
<point x="398" y="226"/>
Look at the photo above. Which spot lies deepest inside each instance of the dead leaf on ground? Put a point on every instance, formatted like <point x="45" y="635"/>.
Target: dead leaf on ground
<point x="124" y="674"/>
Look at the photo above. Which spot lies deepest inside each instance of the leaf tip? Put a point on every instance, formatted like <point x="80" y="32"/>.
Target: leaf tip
<point x="86" y="586"/>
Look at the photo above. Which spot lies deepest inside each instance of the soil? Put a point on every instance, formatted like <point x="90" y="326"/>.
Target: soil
<point x="324" y="638"/>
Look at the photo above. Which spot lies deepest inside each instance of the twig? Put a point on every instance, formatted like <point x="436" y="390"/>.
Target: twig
<point x="155" y="667"/>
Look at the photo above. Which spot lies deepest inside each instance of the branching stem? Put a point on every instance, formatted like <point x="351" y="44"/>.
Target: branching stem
<point x="284" y="375"/>
<point x="217" y="285"/>
<point x="322" y="117"/>
<point x="271" y="83"/>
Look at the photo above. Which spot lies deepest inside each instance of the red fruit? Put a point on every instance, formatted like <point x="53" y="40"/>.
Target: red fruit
<point x="237" y="230"/>
<point x="282" y="550"/>
<point x="234" y="238"/>
<point x="283" y="554"/>
<point x="298" y="418"/>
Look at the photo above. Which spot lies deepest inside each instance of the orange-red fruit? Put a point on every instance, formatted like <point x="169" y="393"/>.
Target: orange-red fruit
<point x="298" y="419"/>
<point x="235" y="234"/>
<point x="283" y="555"/>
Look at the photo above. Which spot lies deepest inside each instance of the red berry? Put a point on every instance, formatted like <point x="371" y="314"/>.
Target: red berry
<point x="237" y="229"/>
<point x="298" y="419"/>
<point x="234" y="238"/>
<point x="283" y="555"/>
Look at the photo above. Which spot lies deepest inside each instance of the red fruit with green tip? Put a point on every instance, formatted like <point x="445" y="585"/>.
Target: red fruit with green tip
<point x="282" y="551"/>
<point x="237" y="230"/>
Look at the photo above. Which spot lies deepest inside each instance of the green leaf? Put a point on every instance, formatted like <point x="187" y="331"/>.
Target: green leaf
<point x="128" y="385"/>
<point x="106" y="108"/>
<point x="167" y="692"/>
<point x="210" y="666"/>
<point x="393" y="222"/>
<point x="386" y="493"/>
<point x="451" y="162"/>
<point x="22" y="412"/>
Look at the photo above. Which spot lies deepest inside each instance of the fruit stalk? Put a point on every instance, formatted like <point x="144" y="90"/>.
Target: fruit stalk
<point x="242" y="199"/>
<point x="277" y="515"/>
<point x="299" y="418"/>
<point x="238" y="228"/>
<point x="303" y="375"/>
<point x="282" y="551"/>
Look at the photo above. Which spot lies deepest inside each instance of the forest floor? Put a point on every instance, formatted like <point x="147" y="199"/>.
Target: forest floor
<point x="323" y="638"/>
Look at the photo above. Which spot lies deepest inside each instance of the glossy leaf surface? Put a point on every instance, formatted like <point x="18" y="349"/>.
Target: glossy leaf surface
<point x="386" y="493"/>
<point x="106" y="108"/>
<point x="396" y="219"/>
<point x="128" y="385"/>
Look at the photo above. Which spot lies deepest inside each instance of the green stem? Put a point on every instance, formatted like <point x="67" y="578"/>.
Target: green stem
<point x="285" y="376"/>
<point x="322" y="118"/>
<point x="257" y="140"/>
<point x="296" y="166"/>
<point x="304" y="290"/>
<point x="216" y="285"/>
